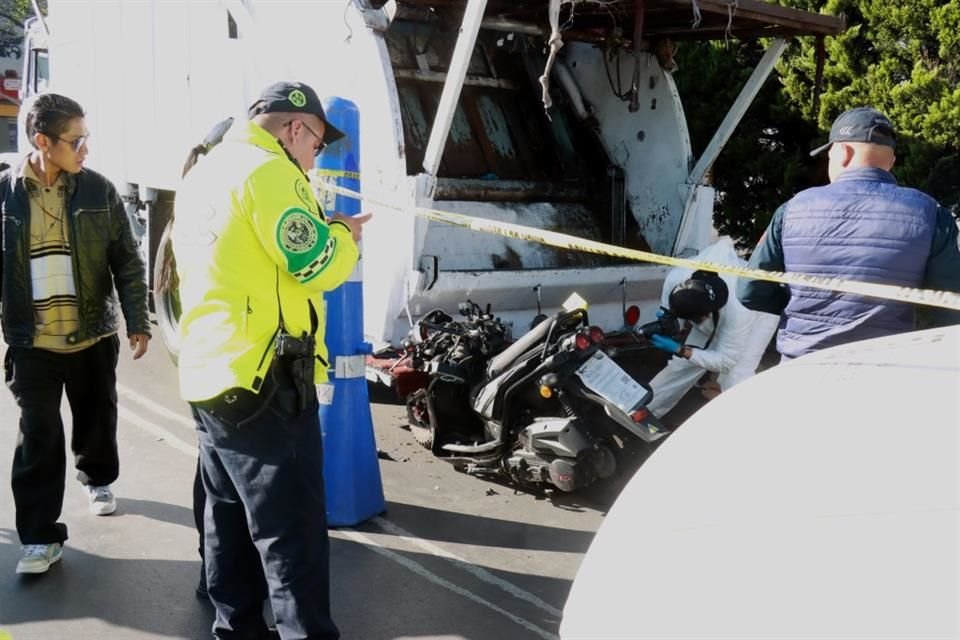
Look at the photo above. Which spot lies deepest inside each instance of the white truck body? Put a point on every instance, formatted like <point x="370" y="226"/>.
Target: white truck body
<point x="155" y="75"/>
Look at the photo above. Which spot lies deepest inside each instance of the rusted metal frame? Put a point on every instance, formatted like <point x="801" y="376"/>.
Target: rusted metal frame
<point x="488" y="59"/>
<point x="803" y="22"/>
<point x="414" y="151"/>
<point x="513" y="26"/>
<point x="521" y="136"/>
<point x="720" y="31"/>
<point x="507" y="191"/>
<point x="472" y="110"/>
<point x="468" y="81"/>
<point x="588" y="37"/>
<point x="457" y="71"/>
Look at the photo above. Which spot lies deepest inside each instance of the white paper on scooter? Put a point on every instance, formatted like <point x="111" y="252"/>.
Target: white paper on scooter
<point x="604" y="377"/>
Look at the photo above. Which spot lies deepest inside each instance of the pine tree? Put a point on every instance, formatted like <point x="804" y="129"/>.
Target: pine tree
<point x="902" y="58"/>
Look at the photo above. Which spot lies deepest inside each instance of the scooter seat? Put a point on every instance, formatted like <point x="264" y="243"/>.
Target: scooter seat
<point x="503" y="360"/>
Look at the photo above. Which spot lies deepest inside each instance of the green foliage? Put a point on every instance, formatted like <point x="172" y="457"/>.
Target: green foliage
<point x="12" y="15"/>
<point x="766" y="160"/>
<point x="902" y="58"/>
<point x="14" y="12"/>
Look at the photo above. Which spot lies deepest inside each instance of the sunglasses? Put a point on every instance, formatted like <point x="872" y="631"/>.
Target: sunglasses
<point x="321" y="145"/>
<point x="76" y="144"/>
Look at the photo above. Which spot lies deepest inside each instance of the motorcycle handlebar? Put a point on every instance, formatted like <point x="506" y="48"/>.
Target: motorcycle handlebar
<point x="442" y="328"/>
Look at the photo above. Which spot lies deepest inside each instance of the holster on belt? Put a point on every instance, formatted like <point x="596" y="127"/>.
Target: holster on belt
<point x="297" y="359"/>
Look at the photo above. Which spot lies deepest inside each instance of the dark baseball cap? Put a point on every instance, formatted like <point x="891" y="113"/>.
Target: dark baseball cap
<point x="294" y="97"/>
<point x="862" y="124"/>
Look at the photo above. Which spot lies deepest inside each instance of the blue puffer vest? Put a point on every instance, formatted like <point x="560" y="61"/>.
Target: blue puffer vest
<point x="862" y="227"/>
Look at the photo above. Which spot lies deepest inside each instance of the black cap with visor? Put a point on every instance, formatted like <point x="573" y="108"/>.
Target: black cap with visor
<point x="294" y="97"/>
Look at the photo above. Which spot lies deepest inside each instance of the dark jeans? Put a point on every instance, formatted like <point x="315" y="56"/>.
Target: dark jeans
<point x="199" y="506"/>
<point x="38" y="379"/>
<point x="264" y="482"/>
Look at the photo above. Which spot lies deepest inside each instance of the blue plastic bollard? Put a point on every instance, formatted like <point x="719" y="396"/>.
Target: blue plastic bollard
<point x="351" y="470"/>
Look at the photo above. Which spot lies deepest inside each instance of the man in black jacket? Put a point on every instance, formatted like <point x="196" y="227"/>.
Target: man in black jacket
<point x="68" y="251"/>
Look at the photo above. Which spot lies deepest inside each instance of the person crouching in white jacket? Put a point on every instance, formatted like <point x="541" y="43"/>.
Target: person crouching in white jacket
<point x="725" y="338"/>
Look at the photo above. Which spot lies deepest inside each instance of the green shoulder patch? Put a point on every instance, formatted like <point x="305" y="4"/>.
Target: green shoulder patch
<point x="302" y="238"/>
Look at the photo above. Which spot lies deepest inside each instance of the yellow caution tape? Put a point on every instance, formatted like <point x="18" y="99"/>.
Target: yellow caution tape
<point x="945" y="299"/>
<point x="336" y="173"/>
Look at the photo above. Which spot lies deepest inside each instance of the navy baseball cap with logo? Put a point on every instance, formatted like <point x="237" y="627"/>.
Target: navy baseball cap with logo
<point x="862" y="124"/>
<point x="294" y="97"/>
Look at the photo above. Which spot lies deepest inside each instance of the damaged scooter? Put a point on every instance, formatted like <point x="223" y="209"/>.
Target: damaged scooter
<point x="551" y="410"/>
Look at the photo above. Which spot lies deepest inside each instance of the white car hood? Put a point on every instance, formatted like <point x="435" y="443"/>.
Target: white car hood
<point x="818" y="499"/>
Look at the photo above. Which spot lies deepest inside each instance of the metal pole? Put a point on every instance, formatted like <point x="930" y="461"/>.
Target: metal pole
<point x="737" y="111"/>
<point x="40" y="17"/>
<point x="472" y="17"/>
<point x="725" y="130"/>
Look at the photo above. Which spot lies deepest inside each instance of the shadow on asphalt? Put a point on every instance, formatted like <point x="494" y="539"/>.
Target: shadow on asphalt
<point x="154" y="596"/>
<point x="150" y="595"/>
<point x="407" y="604"/>
<point x="462" y="528"/>
<point x="160" y="511"/>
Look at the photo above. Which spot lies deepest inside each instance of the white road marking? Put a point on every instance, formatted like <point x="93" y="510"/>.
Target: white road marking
<point x="485" y="576"/>
<point x="472" y="569"/>
<point x="425" y="573"/>
<point x="155" y="407"/>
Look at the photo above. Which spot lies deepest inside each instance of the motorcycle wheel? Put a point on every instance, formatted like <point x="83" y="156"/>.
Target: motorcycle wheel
<point x="423" y="436"/>
<point x="418" y="413"/>
<point x="166" y="294"/>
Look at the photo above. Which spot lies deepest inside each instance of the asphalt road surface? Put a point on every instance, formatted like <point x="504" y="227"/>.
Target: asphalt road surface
<point x="453" y="557"/>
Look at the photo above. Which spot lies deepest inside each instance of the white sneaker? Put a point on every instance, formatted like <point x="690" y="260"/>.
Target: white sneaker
<point x="37" y="558"/>
<point x="102" y="502"/>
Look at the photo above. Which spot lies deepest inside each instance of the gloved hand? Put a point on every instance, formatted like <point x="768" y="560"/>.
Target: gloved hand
<point x="665" y="344"/>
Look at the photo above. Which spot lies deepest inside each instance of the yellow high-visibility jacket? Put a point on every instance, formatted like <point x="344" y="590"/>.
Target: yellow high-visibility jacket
<point x="251" y="243"/>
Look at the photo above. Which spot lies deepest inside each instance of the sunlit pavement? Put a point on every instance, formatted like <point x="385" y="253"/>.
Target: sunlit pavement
<point x="453" y="556"/>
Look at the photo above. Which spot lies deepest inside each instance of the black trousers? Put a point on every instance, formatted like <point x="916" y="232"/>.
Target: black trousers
<point x="199" y="507"/>
<point x="38" y="379"/>
<point x="264" y="482"/>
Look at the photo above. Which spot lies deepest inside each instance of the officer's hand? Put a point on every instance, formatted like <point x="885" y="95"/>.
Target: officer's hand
<point x="354" y="222"/>
<point x="665" y="344"/>
<point x="138" y="344"/>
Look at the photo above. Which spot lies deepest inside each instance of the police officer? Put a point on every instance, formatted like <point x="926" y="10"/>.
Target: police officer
<point x="255" y="253"/>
